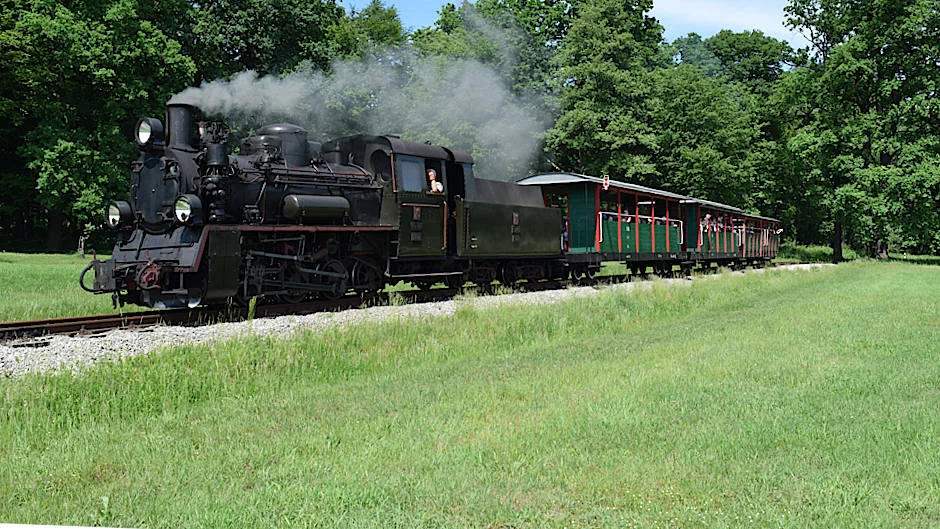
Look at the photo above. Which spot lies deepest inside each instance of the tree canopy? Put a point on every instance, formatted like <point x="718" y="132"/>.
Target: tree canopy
<point x="840" y="140"/>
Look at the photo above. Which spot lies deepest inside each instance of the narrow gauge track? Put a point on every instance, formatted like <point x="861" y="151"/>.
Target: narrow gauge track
<point x="88" y="325"/>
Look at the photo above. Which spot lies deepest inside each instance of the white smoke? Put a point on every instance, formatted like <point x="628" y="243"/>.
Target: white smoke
<point x="460" y="104"/>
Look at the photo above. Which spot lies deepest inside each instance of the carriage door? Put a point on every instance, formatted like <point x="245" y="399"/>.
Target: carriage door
<point x="422" y="211"/>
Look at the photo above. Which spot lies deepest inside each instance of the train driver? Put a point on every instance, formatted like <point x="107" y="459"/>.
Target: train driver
<point x="433" y="184"/>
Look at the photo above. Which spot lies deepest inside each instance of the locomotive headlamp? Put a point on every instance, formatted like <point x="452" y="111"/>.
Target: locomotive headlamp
<point x="188" y="209"/>
<point x="119" y="215"/>
<point x="149" y="131"/>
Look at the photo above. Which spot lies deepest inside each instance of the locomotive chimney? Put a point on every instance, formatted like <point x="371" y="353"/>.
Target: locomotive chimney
<point x="179" y="120"/>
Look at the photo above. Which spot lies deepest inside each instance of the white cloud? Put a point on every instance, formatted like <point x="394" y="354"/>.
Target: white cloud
<point x="707" y="17"/>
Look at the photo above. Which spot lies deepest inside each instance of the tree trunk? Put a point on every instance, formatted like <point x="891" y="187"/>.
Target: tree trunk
<point x="54" y="233"/>
<point x="881" y="249"/>
<point x="837" y="242"/>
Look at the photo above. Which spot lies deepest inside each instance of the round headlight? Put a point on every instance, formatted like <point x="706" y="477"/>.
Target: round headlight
<point x="143" y="132"/>
<point x="188" y="209"/>
<point x="184" y="209"/>
<point x="149" y="131"/>
<point x="114" y="216"/>
<point x="119" y="215"/>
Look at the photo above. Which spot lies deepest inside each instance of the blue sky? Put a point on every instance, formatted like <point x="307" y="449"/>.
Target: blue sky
<point x="678" y="17"/>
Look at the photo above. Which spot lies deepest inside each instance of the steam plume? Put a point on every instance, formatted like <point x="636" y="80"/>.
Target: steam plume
<point x="457" y="103"/>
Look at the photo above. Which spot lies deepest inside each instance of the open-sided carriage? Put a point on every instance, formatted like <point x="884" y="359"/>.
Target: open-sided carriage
<point x="608" y="220"/>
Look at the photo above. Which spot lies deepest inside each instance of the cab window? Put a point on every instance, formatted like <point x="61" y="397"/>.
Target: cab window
<point x="411" y="173"/>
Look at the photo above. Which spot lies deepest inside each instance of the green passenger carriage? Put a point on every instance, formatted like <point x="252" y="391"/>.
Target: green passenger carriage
<point x="608" y="220"/>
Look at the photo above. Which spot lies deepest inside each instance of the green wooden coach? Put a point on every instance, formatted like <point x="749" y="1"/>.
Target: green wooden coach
<point x="608" y="220"/>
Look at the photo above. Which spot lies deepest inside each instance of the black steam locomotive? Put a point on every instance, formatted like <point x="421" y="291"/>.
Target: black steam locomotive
<point x="288" y="218"/>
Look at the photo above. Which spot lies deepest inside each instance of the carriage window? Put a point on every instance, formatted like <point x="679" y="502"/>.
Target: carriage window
<point x="659" y="210"/>
<point x="411" y="173"/>
<point x="646" y="209"/>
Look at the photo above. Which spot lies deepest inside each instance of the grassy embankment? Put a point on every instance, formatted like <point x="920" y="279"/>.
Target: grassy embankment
<point x="783" y="399"/>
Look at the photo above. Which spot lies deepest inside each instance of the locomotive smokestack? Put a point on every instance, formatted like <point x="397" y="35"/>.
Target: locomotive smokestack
<point x="179" y="121"/>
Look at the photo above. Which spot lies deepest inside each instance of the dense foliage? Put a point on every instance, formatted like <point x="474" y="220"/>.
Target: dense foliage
<point x="839" y="140"/>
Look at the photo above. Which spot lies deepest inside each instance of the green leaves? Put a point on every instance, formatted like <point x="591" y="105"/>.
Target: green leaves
<point x="83" y="74"/>
<point x="368" y="31"/>
<point x="266" y="36"/>
<point x="604" y="62"/>
<point x="874" y="89"/>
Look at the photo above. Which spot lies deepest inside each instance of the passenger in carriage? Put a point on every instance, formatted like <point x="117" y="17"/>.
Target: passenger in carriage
<point x="704" y="227"/>
<point x="706" y="221"/>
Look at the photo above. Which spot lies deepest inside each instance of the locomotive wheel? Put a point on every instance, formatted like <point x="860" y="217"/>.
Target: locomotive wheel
<point x="366" y="279"/>
<point x="241" y="300"/>
<point x="337" y="284"/>
<point x="509" y="276"/>
<point x="290" y="274"/>
<point x="585" y="274"/>
<point x="254" y="285"/>
<point x="454" y="282"/>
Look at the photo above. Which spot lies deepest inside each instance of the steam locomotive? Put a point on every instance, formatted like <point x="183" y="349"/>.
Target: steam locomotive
<point x="287" y="219"/>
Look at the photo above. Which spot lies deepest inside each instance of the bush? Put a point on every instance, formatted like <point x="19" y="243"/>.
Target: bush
<point x="812" y="254"/>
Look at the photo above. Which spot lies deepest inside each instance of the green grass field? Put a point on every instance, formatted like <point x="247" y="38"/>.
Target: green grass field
<point x="40" y="286"/>
<point x="782" y="399"/>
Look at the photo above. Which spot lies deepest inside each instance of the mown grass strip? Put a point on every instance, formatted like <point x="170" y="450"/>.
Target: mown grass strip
<point x="770" y="400"/>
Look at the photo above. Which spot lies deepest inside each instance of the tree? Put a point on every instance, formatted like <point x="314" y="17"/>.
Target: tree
<point x="875" y="114"/>
<point x="750" y="57"/>
<point x="533" y="31"/>
<point x="518" y="37"/>
<point x="459" y="33"/>
<point x="370" y="30"/>
<point x="74" y="93"/>
<point x="266" y="36"/>
<point x="691" y="50"/>
<point x="707" y="137"/>
<point x="605" y="62"/>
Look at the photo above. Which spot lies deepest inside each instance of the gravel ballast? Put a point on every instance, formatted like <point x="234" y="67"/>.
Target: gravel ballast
<point x="77" y="352"/>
